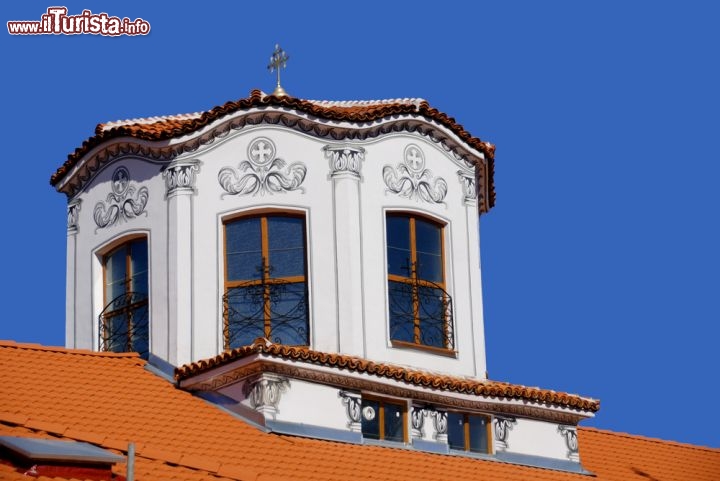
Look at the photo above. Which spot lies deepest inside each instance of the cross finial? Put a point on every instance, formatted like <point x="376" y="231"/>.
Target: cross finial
<point x="278" y="60"/>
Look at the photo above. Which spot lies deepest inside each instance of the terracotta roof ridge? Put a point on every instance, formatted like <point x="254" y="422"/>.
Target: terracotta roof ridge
<point x="146" y="120"/>
<point x="367" y="103"/>
<point x="467" y="385"/>
<point x="649" y="439"/>
<point x="67" y="350"/>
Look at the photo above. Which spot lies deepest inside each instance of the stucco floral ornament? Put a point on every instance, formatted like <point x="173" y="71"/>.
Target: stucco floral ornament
<point x="263" y="173"/>
<point x="412" y="180"/>
<point x="123" y="203"/>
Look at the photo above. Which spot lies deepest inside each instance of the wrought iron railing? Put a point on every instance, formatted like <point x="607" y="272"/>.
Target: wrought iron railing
<point x="124" y="324"/>
<point x="420" y="313"/>
<point x="270" y="308"/>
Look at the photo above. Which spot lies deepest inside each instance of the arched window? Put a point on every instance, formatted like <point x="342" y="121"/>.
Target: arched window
<point x="124" y="321"/>
<point x="265" y="280"/>
<point x="420" y="309"/>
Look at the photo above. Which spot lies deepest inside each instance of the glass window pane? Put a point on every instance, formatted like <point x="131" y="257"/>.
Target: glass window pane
<point x="478" y="434"/>
<point x="139" y="336"/>
<point x="399" y="261"/>
<point x="429" y="246"/>
<point x="402" y="318"/>
<point x="432" y="316"/>
<point x="113" y="291"/>
<point x="116" y="333"/>
<point x="243" y="249"/>
<point x="456" y="430"/>
<point x="245" y="315"/>
<point x="398" y="245"/>
<point x="394" y="426"/>
<point x="427" y="236"/>
<point x="138" y="256"/>
<point x="429" y="267"/>
<point x="288" y="312"/>
<point x="116" y="266"/>
<point x="287" y="246"/>
<point x="370" y="415"/>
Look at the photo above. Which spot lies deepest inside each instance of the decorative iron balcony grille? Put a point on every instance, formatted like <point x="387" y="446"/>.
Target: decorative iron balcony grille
<point x="272" y="308"/>
<point x="124" y="324"/>
<point x="420" y="313"/>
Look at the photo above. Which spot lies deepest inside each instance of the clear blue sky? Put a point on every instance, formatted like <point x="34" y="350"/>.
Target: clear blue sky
<point x="601" y="259"/>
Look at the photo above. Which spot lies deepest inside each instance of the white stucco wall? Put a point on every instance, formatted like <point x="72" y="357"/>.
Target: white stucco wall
<point x="345" y="221"/>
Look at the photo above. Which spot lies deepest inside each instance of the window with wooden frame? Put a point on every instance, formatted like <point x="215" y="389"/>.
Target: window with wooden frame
<point x="420" y="309"/>
<point x="124" y="322"/>
<point x="265" y="280"/>
<point x="384" y="420"/>
<point x="468" y="432"/>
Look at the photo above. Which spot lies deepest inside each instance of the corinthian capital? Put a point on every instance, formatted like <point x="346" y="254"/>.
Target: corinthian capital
<point x="344" y="159"/>
<point x="180" y="177"/>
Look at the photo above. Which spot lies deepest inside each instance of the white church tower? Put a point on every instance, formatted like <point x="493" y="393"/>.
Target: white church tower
<point x="312" y="266"/>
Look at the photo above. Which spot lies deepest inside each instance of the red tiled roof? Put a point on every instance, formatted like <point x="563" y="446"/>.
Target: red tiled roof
<point x="109" y="400"/>
<point x="410" y="376"/>
<point x="358" y="112"/>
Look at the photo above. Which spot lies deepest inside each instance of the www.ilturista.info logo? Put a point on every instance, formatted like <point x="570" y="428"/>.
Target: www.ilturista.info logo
<point x="57" y="22"/>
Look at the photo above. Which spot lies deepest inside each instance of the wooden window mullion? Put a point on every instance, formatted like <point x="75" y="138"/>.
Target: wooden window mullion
<point x="381" y="420"/>
<point x="413" y="276"/>
<point x="265" y="246"/>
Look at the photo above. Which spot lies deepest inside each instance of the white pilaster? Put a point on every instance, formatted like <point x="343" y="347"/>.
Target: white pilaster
<point x="73" y="211"/>
<point x="345" y="166"/>
<point x="180" y="186"/>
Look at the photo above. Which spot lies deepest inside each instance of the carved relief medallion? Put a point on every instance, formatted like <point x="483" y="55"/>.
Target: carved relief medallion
<point x="125" y="202"/>
<point x="263" y="173"/>
<point x="412" y="180"/>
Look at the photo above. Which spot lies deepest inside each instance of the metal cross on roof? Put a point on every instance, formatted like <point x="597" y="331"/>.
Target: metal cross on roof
<point x="278" y="60"/>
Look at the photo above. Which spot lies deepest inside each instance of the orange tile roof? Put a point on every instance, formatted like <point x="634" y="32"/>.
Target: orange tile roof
<point x="110" y="399"/>
<point x="420" y="378"/>
<point x="169" y="127"/>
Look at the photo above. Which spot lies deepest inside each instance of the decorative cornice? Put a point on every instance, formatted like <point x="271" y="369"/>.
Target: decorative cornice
<point x="266" y="173"/>
<point x="344" y="159"/>
<point x="410" y="179"/>
<point x="540" y="398"/>
<point x="303" y="116"/>
<point x="180" y="177"/>
<point x="73" y="213"/>
<point x="125" y="202"/>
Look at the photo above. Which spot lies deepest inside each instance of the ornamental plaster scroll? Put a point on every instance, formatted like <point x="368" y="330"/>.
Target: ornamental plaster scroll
<point x="502" y="428"/>
<point x="263" y="173"/>
<point x="571" y="441"/>
<point x="440" y="422"/>
<point x="125" y="202"/>
<point x="417" y="421"/>
<point x="412" y="180"/>
<point x="180" y="177"/>
<point x="73" y="213"/>
<point x="353" y="403"/>
<point x="540" y="411"/>
<point x="344" y="159"/>
<point x="264" y="392"/>
<point x="469" y="187"/>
